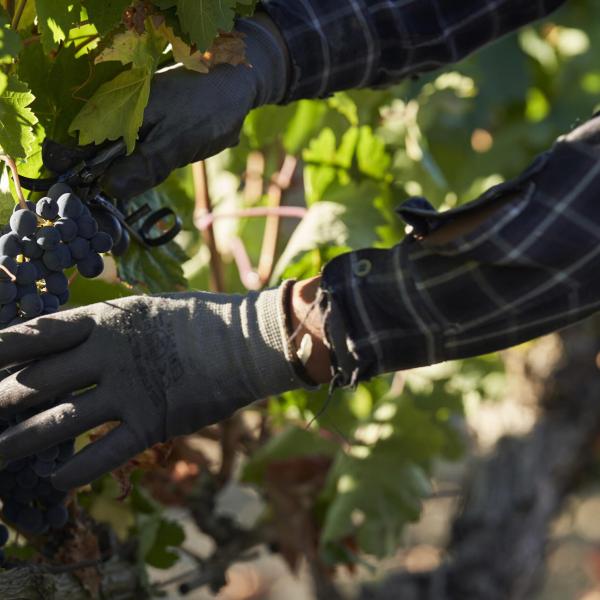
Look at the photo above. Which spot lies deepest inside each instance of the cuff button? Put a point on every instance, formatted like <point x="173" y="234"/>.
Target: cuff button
<point x="362" y="268"/>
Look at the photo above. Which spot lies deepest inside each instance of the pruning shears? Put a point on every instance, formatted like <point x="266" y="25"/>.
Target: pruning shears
<point x="149" y="228"/>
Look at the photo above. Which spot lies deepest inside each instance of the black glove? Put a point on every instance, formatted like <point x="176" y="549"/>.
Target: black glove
<point x="192" y="116"/>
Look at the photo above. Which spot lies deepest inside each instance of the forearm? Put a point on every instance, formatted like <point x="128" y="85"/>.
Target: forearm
<point x="518" y="263"/>
<point x="340" y="44"/>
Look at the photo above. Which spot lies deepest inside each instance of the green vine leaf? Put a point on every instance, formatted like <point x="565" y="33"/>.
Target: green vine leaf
<point x="106" y="14"/>
<point x="16" y="119"/>
<point x="116" y="109"/>
<point x="10" y="42"/>
<point x="143" y="51"/>
<point x="55" y="18"/>
<point x="203" y="20"/>
<point x="153" y="269"/>
<point x="246" y="8"/>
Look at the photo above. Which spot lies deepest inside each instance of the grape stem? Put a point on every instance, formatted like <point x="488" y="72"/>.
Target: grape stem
<point x="12" y="277"/>
<point x="18" y="14"/>
<point x="203" y="207"/>
<point x="15" y="175"/>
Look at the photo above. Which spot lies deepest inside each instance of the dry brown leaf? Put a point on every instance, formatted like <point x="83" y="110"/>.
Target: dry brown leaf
<point x="228" y="48"/>
<point x="153" y="458"/>
<point x="82" y="545"/>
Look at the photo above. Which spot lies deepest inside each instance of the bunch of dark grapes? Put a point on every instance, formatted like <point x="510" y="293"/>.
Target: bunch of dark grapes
<point x="44" y="240"/>
<point x="29" y="500"/>
<point x="41" y="242"/>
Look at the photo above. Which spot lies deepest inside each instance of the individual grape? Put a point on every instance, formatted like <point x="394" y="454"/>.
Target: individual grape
<point x="47" y="208"/>
<point x="11" y="509"/>
<point x="69" y="205"/>
<point x="57" y="284"/>
<point x="42" y="269"/>
<point x="54" y="497"/>
<point x="101" y="242"/>
<point x="30" y="206"/>
<point x="79" y="248"/>
<point x="43" y="488"/>
<point x="7" y="482"/>
<point x="64" y="297"/>
<point x="23" y="222"/>
<point x="27" y="478"/>
<point x="91" y="266"/>
<point x="50" y="302"/>
<point x="67" y="228"/>
<point x="58" y="259"/>
<point x="15" y="466"/>
<point x="11" y="265"/>
<point x="30" y="520"/>
<point x="88" y="227"/>
<point x="108" y="223"/>
<point x="31" y="249"/>
<point x="8" y="292"/>
<point x="3" y="535"/>
<point x="47" y="237"/>
<point x="50" y="454"/>
<point x="25" y="290"/>
<point x="57" y="190"/>
<point x="31" y="305"/>
<point x="44" y="468"/>
<point x="23" y="495"/>
<point x="8" y="312"/>
<point x="57" y="516"/>
<point x="27" y="274"/>
<point x="10" y="245"/>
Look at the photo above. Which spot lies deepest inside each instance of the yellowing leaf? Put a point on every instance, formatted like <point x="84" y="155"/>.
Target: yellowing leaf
<point x="116" y="110"/>
<point x="228" y="48"/>
<point x="143" y="50"/>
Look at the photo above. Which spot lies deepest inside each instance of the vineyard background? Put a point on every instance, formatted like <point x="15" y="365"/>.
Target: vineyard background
<point x="368" y="483"/>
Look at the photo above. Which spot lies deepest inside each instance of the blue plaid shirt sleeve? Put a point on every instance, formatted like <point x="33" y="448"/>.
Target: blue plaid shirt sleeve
<point x="529" y="269"/>
<point x="344" y="44"/>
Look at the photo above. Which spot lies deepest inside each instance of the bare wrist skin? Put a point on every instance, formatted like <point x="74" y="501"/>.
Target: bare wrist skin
<point x="307" y="319"/>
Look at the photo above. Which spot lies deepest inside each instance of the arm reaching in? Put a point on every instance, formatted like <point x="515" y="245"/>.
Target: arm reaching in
<point x="162" y="366"/>
<point x="191" y="116"/>
<point x="306" y="49"/>
<point x="519" y="262"/>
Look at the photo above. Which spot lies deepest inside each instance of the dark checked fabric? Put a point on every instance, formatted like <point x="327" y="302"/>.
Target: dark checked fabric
<point x="531" y="268"/>
<point x="343" y="44"/>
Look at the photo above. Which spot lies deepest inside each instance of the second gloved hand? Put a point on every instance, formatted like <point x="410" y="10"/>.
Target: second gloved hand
<point x="160" y="365"/>
<point x="192" y="116"/>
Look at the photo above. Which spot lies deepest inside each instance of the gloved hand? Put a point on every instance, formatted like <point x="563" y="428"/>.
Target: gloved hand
<point x="161" y="365"/>
<point x="192" y="116"/>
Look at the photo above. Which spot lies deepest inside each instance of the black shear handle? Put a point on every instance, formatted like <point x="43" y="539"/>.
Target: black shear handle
<point x="152" y="221"/>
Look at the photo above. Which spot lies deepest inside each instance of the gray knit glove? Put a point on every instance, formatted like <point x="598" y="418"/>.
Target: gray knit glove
<point x="161" y="365"/>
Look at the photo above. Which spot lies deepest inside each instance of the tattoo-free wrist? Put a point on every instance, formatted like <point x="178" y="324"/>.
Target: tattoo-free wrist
<point x="307" y="320"/>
